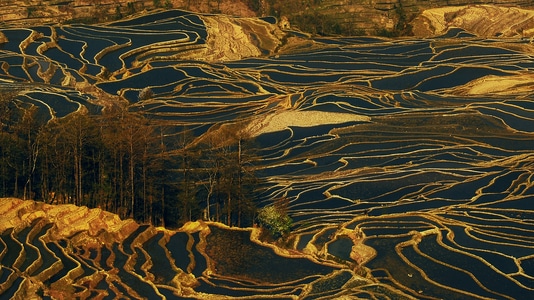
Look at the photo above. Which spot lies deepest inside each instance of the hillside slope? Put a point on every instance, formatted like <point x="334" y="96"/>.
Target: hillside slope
<point x="417" y="173"/>
<point x="348" y="17"/>
<point x="482" y="20"/>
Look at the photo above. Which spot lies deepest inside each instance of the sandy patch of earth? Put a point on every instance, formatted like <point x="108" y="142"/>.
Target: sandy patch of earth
<point x="284" y="119"/>
<point x="499" y="85"/>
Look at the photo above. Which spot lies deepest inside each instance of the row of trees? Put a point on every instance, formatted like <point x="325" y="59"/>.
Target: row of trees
<point x="126" y="163"/>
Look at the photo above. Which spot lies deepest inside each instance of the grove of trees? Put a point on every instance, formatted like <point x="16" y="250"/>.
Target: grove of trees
<point x="123" y="162"/>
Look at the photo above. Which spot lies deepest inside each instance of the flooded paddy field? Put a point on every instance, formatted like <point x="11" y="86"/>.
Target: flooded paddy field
<point x="418" y="151"/>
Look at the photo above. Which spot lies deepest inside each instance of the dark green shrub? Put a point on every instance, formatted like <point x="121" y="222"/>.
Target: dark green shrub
<point x="275" y="220"/>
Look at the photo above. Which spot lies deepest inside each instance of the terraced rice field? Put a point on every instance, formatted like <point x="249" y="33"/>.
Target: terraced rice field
<point x="419" y="149"/>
